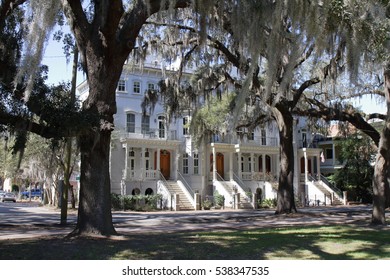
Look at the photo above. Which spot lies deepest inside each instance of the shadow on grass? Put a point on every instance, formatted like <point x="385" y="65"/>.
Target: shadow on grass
<point x="309" y="242"/>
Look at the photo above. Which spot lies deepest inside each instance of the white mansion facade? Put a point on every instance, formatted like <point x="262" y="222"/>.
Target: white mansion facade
<point x="149" y="155"/>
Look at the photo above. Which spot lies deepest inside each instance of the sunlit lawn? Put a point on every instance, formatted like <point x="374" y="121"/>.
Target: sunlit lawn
<point x="326" y="242"/>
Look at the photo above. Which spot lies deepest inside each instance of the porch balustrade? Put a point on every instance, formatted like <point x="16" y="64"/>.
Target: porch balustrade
<point x="237" y="139"/>
<point x="130" y="175"/>
<point x="258" y="176"/>
<point x="142" y="133"/>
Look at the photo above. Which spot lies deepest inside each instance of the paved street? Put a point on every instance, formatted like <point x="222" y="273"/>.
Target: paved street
<point x="21" y="220"/>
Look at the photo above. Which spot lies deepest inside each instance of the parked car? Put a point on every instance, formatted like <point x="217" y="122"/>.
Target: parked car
<point x="8" y="196"/>
<point x="2" y="193"/>
<point x="34" y="193"/>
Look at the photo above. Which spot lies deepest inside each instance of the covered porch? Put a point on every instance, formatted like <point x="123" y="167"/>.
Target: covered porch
<point x="238" y="162"/>
<point x="150" y="159"/>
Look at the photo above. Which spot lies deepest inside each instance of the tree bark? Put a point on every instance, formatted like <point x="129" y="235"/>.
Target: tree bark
<point x="285" y="198"/>
<point x="94" y="214"/>
<point x="382" y="164"/>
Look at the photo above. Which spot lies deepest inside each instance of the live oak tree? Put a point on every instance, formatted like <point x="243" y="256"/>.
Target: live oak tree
<point x="273" y="84"/>
<point x="106" y="33"/>
<point x="366" y="27"/>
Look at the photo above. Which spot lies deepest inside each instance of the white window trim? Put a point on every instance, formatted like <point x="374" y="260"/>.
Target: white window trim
<point x="140" y="87"/>
<point x="151" y="83"/>
<point x="125" y="85"/>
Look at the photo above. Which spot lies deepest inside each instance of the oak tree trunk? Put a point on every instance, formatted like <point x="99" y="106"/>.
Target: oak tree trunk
<point x="382" y="164"/>
<point x="94" y="213"/>
<point x="285" y="198"/>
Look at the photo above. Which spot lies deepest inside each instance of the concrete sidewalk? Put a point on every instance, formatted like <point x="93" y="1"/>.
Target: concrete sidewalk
<point x="33" y="221"/>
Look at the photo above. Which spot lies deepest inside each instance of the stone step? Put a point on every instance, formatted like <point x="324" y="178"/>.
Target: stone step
<point x="184" y="202"/>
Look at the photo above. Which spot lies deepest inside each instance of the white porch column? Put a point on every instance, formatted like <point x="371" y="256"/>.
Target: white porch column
<point x="252" y="165"/>
<point x="177" y="157"/>
<point x="333" y="155"/>
<point x="305" y="158"/>
<point x="214" y="164"/>
<point x="318" y="167"/>
<point x="239" y="165"/>
<point x="264" y="167"/>
<point x="158" y="157"/>
<point x="125" y="173"/>
<point x="231" y="166"/>
<point x="142" y="169"/>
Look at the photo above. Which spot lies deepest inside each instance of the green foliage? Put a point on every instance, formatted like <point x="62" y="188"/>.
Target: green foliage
<point x="15" y="188"/>
<point x="135" y="202"/>
<point x="212" y="118"/>
<point x="268" y="203"/>
<point x="207" y="204"/>
<point x="219" y="199"/>
<point x="356" y="154"/>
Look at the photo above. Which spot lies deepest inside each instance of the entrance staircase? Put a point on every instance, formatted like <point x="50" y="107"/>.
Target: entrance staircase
<point x="330" y="191"/>
<point x="335" y="199"/>
<point x="184" y="203"/>
<point x="229" y="190"/>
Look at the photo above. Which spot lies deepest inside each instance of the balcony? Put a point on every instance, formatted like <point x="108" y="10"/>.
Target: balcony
<point x="140" y="175"/>
<point x="140" y="133"/>
<point x="237" y="139"/>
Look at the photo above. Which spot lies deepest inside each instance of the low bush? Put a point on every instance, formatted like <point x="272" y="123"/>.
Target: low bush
<point x="268" y="203"/>
<point x="134" y="202"/>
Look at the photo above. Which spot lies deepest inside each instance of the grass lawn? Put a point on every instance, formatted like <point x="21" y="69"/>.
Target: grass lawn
<point x="309" y="242"/>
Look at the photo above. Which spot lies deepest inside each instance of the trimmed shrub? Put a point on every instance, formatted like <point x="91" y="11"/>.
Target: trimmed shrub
<point x="135" y="202"/>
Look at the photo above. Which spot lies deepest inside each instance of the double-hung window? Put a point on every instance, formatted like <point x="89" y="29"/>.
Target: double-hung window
<point x="137" y="87"/>
<point x="145" y="125"/>
<point x="196" y="164"/>
<point x="121" y="85"/>
<point x="185" y="163"/>
<point x="130" y="123"/>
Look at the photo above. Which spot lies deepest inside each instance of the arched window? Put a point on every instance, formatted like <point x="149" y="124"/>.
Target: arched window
<point x="149" y="191"/>
<point x="135" y="191"/>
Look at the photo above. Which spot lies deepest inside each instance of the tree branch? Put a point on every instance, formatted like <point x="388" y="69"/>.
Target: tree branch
<point x="336" y="114"/>
<point x="234" y="59"/>
<point x="133" y="19"/>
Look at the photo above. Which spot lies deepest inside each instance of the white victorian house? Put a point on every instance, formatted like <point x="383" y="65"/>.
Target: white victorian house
<point x="149" y="155"/>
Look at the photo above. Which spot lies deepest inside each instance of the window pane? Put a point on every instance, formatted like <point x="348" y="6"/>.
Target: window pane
<point x="130" y="124"/>
<point x="145" y="126"/>
<point x="151" y="86"/>
<point x="137" y="87"/>
<point x="196" y="164"/>
<point x="185" y="163"/>
<point x="121" y="85"/>
<point x="185" y="126"/>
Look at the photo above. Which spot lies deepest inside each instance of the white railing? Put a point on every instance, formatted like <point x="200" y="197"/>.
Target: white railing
<point x="129" y="174"/>
<point x="224" y="189"/>
<point x="186" y="185"/>
<point x="240" y="185"/>
<point x="237" y="139"/>
<point x="186" y="188"/>
<point x="151" y="174"/>
<point x="246" y="176"/>
<point x="258" y="176"/>
<point x="152" y="133"/>
<point x="167" y="200"/>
